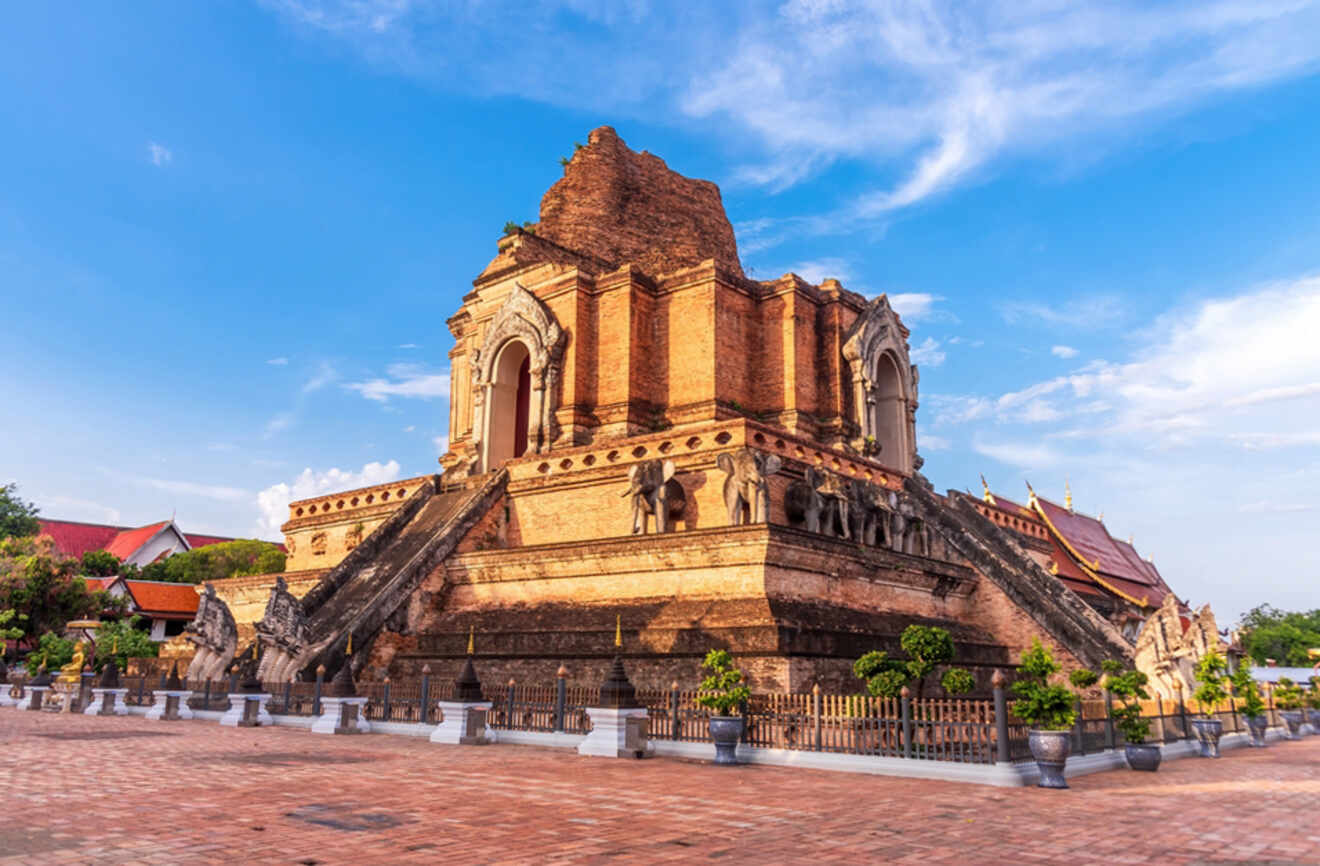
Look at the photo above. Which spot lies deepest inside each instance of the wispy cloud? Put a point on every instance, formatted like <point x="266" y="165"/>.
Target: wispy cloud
<point x="409" y="346"/>
<point x="73" y="508"/>
<point x="914" y="306"/>
<point x="928" y="353"/>
<point x="1082" y="313"/>
<point x="220" y="492"/>
<point x="404" y="380"/>
<point x="1063" y="351"/>
<point x="159" y="154"/>
<point x="273" y="502"/>
<point x="936" y="91"/>
<point x="278" y="362"/>
<point x="324" y="375"/>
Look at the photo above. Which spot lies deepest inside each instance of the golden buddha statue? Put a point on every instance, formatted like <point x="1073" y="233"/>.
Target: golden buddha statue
<point x="72" y="672"/>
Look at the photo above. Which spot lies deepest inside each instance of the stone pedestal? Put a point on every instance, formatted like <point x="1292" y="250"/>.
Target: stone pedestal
<point x="107" y="702"/>
<point x="463" y="723"/>
<point x="617" y="733"/>
<point x="170" y="705"/>
<point x="342" y="716"/>
<point x="64" y="698"/>
<point x="37" y="697"/>
<point x="247" y="710"/>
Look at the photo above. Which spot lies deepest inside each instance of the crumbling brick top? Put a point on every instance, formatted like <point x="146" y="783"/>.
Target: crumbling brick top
<point x="624" y="207"/>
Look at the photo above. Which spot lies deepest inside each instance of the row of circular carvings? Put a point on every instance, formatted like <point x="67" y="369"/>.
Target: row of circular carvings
<point x="369" y="499"/>
<point x="723" y="438"/>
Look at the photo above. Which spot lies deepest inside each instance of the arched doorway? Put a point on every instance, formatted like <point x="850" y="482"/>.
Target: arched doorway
<point x="510" y="396"/>
<point x="890" y="412"/>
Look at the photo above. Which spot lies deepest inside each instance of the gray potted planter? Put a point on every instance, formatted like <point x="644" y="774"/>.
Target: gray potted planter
<point x="1288" y="696"/>
<point x="723" y="691"/>
<point x="1143" y="756"/>
<point x="1208" y="732"/>
<point x="1051" y="750"/>
<point x="1256" y="726"/>
<point x="726" y="731"/>
<point x="1129" y="687"/>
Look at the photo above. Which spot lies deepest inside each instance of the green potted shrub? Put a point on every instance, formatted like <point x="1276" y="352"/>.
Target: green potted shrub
<point x="1050" y="709"/>
<point x="1129" y="687"/>
<point x="1288" y="697"/>
<point x="722" y="692"/>
<point x="1253" y="706"/>
<point x="1211" y="675"/>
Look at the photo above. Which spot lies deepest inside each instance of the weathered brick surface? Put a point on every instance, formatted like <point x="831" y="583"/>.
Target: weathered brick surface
<point x="193" y="792"/>
<point x="627" y="207"/>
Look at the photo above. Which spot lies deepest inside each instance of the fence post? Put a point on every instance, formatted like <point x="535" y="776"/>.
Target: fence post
<point x="424" y="710"/>
<point x="676" y="727"/>
<point x="1001" y="717"/>
<point x="815" y="713"/>
<point x="747" y="728"/>
<point x="385" y="713"/>
<point x="1159" y="702"/>
<point x="206" y="695"/>
<point x="233" y="682"/>
<point x="316" y="695"/>
<point x="1079" y="743"/>
<point x="561" y="697"/>
<point x="288" y="694"/>
<point x="508" y="715"/>
<point x="162" y="681"/>
<point x="1182" y="712"/>
<point x="906" y="702"/>
<point x="142" y="689"/>
<point x="1110" y="741"/>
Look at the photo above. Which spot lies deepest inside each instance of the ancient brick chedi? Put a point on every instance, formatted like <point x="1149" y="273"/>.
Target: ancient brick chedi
<point x="638" y="430"/>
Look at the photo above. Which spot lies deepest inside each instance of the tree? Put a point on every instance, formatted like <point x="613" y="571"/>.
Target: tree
<point x="45" y="589"/>
<point x="18" y="519"/>
<point x="124" y="640"/>
<point x="723" y="689"/>
<point x="1042" y="704"/>
<point x="1269" y="633"/>
<point x="7" y="631"/>
<point x="52" y="651"/>
<point x="100" y="563"/>
<point x="218" y="561"/>
<point x="927" y="647"/>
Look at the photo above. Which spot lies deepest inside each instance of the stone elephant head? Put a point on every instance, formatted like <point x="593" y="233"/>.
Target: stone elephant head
<point x="746" y="491"/>
<point x="655" y="493"/>
<point x="803" y="501"/>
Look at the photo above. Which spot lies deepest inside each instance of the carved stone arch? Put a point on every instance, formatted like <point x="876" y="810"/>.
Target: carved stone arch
<point x="884" y="386"/>
<point x="527" y="321"/>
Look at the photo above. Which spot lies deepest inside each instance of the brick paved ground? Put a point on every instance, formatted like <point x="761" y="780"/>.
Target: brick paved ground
<point x="116" y="790"/>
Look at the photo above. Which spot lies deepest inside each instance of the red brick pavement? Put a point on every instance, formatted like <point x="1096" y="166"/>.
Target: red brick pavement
<point x="120" y="790"/>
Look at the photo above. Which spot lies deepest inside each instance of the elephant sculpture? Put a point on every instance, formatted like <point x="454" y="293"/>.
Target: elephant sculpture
<point x="656" y="494"/>
<point x="838" y="494"/>
<point x="803" y="501"/>
<point x="746" y="490"/>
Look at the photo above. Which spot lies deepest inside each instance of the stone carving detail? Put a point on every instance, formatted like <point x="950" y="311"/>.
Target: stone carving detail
<point x="858" y="510"/>
<point x="870" y="513"/>
<point x="216" y="636"/>
<point x="746" y="490"/>
<point x="318" y="543"/>
<point x="884" y="385"/>
<point x="655" y="493"/>
<point x="282" y="632"/>
<point x="524" y="318"/>
<point x="837" y="491"/>
<point x="803" y="501"/>
<point x="353" y="537"/>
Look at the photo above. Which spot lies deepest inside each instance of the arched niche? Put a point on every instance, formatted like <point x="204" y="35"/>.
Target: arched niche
<point x="515" y="381"/>
<point x="883" y="386"/>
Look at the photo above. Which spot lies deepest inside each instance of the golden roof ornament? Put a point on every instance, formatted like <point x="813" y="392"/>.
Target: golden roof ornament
<point x="618" y="630"/>
<point x="987" y="496"/>
<point x="1031" y="494"/>
<point x="472" y="632"/>
<point x="1067" y="495"/>
<point x="349" y="650"/>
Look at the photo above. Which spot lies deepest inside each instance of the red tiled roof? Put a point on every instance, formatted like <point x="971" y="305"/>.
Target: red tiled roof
<point x="128" y="542"/>
<point x="163" y="599"/>
<point x="99" y="582"/>
<point x="195" y="540"/>
<point x="1115" y="562"/>
<point x="74" y="539"/>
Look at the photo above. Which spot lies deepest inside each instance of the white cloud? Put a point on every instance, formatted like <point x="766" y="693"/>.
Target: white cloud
<point x="821" y="269"/>
<point x="1026" y="455"/>
<point x="1063" y="351"/>
<point x="273" y="502"/>
<point x="159" y="154"/>
<point x="405" y="380"/>
<point x="1085" y="313"/>
<point x="410" y="428"/>
<point x="73" y="508"/>
<point x="280" y="422"/>
<point x="278" y="362"/>
<point x="441" y="444"/>
<point x="219" y="492"/>
<point x="928" y="354"/>
<point x="927" y="442"/>
<point x="913" y="306"/>
<point x="409" y="346"/>
<point x="324" y="375"/>
<point x="937" y="91"/>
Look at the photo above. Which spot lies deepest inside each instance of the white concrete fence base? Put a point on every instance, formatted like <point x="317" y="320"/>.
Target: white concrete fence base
<point x="617" y="733"/>
<point x="237" y="702"/>
<point x="98" y="701"/>
<point x="159" y="700"/>
<point x="463" y="723"/>
<point x="6" y="700"/>
<point x="328" y="721"/>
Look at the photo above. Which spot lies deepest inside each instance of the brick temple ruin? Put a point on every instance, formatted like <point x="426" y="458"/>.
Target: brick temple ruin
<point x="640" y="431"/>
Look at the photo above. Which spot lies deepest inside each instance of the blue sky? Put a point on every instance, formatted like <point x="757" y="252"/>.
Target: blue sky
<point x="230" y="236"/>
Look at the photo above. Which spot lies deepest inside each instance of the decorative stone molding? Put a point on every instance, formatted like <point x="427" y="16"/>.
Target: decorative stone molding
<point x="525" y="319"/>
<point x="884" y="387"/>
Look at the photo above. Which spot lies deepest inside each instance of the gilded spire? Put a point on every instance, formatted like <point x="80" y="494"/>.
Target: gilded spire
<point x="1031" y="494"/>
<point x="987" y="495"/>
<point x="618" y="630"/>
<point x="472" y="633"/>
<point x="1067" y="495"/>
<point x="349" y="651"/>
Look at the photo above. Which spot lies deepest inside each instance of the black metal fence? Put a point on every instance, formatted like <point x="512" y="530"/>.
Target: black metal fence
<point x="965" y="731"/>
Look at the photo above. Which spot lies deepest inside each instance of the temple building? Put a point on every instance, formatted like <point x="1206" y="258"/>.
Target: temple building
<point x="641" y="433"/>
